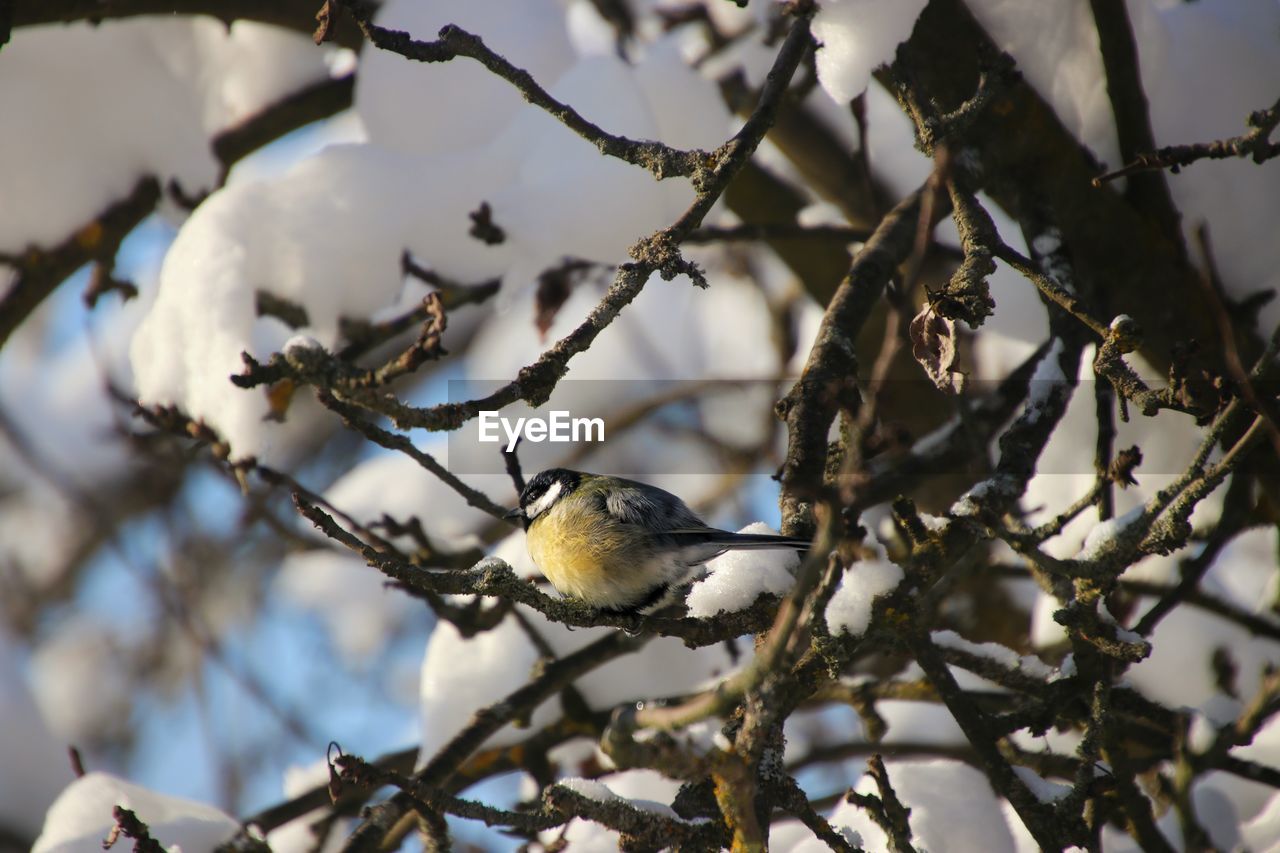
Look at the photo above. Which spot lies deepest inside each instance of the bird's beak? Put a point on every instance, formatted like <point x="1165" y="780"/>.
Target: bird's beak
<point x="516" y="514"/>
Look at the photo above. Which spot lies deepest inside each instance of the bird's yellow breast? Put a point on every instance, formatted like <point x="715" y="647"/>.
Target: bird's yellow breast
<point x="585" y="554"/>
<point x="573" y="560"/>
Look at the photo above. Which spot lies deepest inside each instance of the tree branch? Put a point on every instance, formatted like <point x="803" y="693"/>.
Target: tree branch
<point x="40" y="271"/>
<point x="297" y="15"/>
<point x="1256" y="145"/>
<point x="1148" y="192"/>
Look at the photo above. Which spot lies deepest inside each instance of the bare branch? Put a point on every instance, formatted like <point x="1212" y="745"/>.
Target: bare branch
<point x="452" y="42"/>
<point x="1256" y="145"/>
<point x="40" y="271"/>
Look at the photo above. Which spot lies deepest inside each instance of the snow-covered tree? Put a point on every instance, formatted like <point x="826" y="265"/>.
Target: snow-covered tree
<point x="976" y="295"/>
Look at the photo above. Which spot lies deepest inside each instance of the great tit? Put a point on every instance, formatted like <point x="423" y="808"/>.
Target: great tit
<point x="619" y="545"/>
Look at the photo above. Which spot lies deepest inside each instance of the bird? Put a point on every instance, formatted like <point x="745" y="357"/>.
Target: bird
<point x="619" y="545"/>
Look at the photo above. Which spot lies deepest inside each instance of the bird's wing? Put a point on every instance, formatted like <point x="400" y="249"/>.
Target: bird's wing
<point x="651" y="508"/>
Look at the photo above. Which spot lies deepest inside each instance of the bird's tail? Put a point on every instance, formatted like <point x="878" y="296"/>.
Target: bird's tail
<point x="701" y="544"/>
<point x="760" y="541"/>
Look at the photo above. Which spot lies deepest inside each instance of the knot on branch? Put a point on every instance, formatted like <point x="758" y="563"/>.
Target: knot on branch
<point x="347" y="770"/>
<point x="702" y="168"/>
<point x="536" y="381"/>
<point x="495" y="574"/>
<point x="1085" y="622"/>
<point x="1168" y="533"/>
<point x="1191" y="389"/>
<point x="966" y="295"/>
<point x="660" y="253"/>
<point x="934" y="128"/>
<point x="1124" y="334"/>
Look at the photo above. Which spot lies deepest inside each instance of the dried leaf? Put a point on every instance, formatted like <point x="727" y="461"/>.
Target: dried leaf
<point x="279" y="396"/>
<point x="483" y="228"/>
<point x="553" y="291"/>
<point x="555" y="285"/>
<point x="933" y="343"/>
<point x="1121" y="470"/>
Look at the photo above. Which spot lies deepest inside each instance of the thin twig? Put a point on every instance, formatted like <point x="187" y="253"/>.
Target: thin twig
<point x="453" y="42"/>
<point x="1256" y="145"/>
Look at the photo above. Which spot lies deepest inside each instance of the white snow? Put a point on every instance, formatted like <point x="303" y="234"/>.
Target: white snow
<point x="1045" y="632"/>
<point x="966" y="505"/>
<point x="647" y="790"/>
<point x="328" y="234"/>
<point x="736" y="578"/>
<point x="501" y="660"/>
<point x="1264" y="749"/>
<point x="1263" y="832"/>
<point x="822" y="213"/>
<point x="1003" y="655"/>
<point x="953" y="809"/>
<point x="1179" y="672"/>
<point x="1045" y="791"/>
<point x="297" y="836"/>
<point x="588" y="788"/>
<point x="919" y="723"/>
<point x="1105" y="534"/>
<point x="1123" y="634"/>
<point x="431" y="108"/>
<point x="301" y="342"/>
<point x="515" y="552"/>
<point x="721" y="742"/>
<point x="1201" y="734"/>
<point x="601" y="792"/>
<point x="82" y="816"/>
<point x="461" y="675"/>
<point x="1217" y="54"/>
<point x="149" y="92"/>
<point x="1047" y="242"/>
<point x="857" y="36"/>
<point x="1214" y="811"/>
<point x="54" y="393"/>
<point x="933" y="523"/>
<point x="849" y="610"/>
<point x="1045" y="380"/>
<point x="562" y="181"/>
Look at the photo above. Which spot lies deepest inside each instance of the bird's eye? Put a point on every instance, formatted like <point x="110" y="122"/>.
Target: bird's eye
<point x="540" y="500"/>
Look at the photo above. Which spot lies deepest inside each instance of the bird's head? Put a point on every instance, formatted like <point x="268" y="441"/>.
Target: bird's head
<point x="543" y="492"/>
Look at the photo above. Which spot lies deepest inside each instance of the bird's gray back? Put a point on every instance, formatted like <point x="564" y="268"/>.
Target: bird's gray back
<point x="652" y="508"/>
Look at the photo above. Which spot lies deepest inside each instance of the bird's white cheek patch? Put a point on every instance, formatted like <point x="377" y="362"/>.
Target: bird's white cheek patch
<point x="544" y="503"/>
